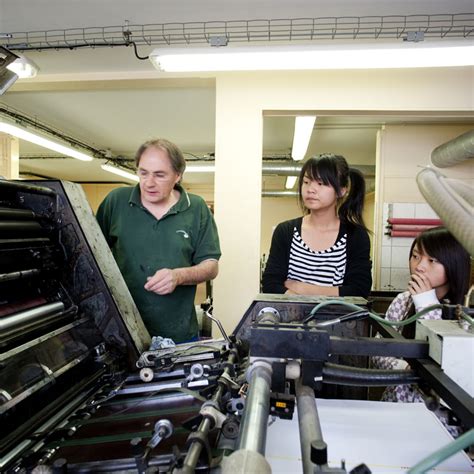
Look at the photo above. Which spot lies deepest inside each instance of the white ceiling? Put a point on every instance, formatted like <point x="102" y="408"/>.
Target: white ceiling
<point x="109" y="99"/>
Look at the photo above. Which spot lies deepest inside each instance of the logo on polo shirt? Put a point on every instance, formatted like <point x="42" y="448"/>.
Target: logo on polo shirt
<point x="185" y="234"/>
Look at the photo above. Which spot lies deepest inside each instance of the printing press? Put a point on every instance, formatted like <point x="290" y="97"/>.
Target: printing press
<point x="80" y="391"/>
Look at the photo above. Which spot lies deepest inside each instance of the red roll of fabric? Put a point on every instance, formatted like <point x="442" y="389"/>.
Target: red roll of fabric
<point x="404" y="233"/>
<point x="413" y="228"/>
<point x="407" y="221"/>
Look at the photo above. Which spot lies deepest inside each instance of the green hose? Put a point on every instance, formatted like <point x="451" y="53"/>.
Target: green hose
<point x="467" y="318"/>
<point x="375" y="316"/>
<point x="444" y="453"/>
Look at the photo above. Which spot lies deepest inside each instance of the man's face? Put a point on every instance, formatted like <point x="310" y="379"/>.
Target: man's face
<point x="157" y="176"/>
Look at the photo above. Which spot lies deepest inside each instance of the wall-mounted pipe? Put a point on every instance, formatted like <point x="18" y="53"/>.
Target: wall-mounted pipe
<point x="280" y="194"/>
<point x="455" y="151"/>
<point x="453" y="209"/>
<point x="293" y="169"/>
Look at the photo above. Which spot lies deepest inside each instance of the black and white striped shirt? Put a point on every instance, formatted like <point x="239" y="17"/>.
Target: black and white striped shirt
<point x="325" y="267"/>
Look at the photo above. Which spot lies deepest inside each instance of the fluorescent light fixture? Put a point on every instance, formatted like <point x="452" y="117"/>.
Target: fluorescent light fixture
<point x="304" y="125"/>
<point x="201" y="168"/>
<point x="290" y="182"/>
<point x="120" y="172"/>
<point x="23" y="67"/>
<point x="309" y="57"/>
<point x="44" y="142"/>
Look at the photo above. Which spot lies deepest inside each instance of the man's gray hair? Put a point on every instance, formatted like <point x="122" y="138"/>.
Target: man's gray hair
<point x="175" y="155"/>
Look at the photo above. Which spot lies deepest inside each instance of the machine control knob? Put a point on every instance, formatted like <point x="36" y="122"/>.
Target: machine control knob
<point x="319" y="452"/>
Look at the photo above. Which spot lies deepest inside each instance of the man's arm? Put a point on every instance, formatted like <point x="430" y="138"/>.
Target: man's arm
<point x="165" y="280"/>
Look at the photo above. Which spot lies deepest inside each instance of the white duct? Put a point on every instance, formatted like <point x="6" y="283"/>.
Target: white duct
<point x="455" y="151"/>
<point x="451" y="199"/>
<point x="450" y="204"/>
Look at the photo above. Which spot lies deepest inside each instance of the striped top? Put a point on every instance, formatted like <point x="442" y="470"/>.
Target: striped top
<point x="325" y="267"/>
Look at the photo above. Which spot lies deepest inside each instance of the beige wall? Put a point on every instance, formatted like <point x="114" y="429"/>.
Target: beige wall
<point x="9" y="156"/>
<point x="369" y="218"/>
<point x="274" y="211"/>
<point x="242" y="99"/>
<point x="96" y="192"/>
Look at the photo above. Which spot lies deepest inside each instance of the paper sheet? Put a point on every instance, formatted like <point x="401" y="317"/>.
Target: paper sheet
<point x="387" y="437"/>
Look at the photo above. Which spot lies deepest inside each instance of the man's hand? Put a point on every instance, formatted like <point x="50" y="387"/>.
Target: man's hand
<point x="419" y="283"/>
<point x="163" y="282"/>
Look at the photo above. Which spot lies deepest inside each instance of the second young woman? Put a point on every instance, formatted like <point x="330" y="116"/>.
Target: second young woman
<point x="327" y="250"/>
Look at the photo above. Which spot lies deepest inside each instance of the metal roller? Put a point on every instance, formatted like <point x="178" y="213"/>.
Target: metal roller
<point x="253" y="430"/>
<point x="309" y="425"/>
<point x="26" y="317"/>
<point x="21" y="227"/>
<point x="15" y="186"/>
<point x="9" y="213"/>
<point x="19" y="275"/>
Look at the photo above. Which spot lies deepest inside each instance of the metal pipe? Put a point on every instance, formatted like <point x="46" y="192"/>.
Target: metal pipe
<point x="20" y="227"/>
<point x="28" y="188"/>
<point x="219" y="325"/>
<point x="253" y="430"/>
<point x="25" y="243"/>
<point x="8" y="213"/>
<point x="194" y="451"/>
<point x="279" y="193"/>
<point x="195" y="448"/>
<point x="455" y="151"/>
<point x="309" y="425"/>
<point x="30" y="315"/>
<point x="292" y="169"/>
<point x="18" y="275"/>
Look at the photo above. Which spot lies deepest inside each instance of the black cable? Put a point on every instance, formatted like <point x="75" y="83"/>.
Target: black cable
<point x="143" y="58"/>
<point x="345" y="375"/>
<point x="45" y="128"/>
<point x="360" y="314"/>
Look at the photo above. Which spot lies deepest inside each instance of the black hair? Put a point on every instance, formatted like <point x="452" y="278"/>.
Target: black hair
<point x="333" y="170"/>
<point x="440" y="244"/>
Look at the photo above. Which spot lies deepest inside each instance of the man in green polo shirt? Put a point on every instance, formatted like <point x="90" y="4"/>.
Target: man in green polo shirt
<point x="164" y="240"/>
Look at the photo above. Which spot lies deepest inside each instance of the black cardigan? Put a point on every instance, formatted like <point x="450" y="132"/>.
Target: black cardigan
<point x="357" y="279"/>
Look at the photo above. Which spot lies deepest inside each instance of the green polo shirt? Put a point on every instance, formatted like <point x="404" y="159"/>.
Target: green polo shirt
<point x="141" y="244"/>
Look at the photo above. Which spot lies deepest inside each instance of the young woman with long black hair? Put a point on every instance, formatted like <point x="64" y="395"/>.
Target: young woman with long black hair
<point x="327" y="250"/>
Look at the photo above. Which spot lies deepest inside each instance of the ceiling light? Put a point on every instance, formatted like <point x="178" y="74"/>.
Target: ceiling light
<point x="207" y="168"/>
<point x="304" y="125"/>
<point x="120" y="172"/>
<point x="290" y="182"/>
<point x="308" y="57"/>
<point x="23" y="67"/>
<point x="44" y="142"/>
